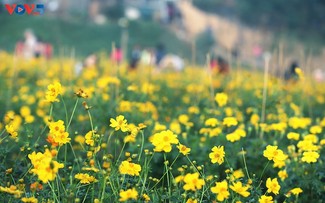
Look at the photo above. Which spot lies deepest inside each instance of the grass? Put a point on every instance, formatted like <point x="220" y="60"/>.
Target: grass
<point x="86" y="37"/>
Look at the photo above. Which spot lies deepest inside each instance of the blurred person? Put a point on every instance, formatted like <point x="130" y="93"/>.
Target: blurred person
<point x="135" y="57"/>
<point x="319" y="75"/>
<point x="160" y="53"/>
<point x="117" y="55"/>
<point x="147" y="57"/>
<point x="27" y="48"/>
<point x="219" y="65"/>
<point x="290" y="73"/>
<point x="171" y="62"/>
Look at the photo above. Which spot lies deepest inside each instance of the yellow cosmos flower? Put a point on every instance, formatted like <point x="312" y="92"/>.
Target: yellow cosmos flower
<point x="129" y="168"/>
<point x="212" y="122"/>
<point x="296" y="191"/>
<point x="273" y="186"/>
<point x="11" y="190"/>
<point x="58" y="134"/>
<point x="29" y="200"/>
<point x="163" y="141"/>
<point x="128" y="195"/>
<point x="217" y="155"/>
<point x="193" y="182"/>
<point x="146" y="197"/>
<point x="283" y="174"/>
<point x="44" y="166"/>
<point x="230" y="121"/>
<point x="310" y="157"/>
<point x="119" y="123"/>
<point x="221" y="189"/>
<point x="11" y="131"/>
<point x="53" y="90"/>
<point x="85" y="178"/>
<point x="240" y="189"/>
<point x="265" y="199"/>
<point x="221" y="99"/>
<point x="183" y="149"/>
<point x="90" y="139"/>
<point x="293" y="136"/>
<point x="191" y="200"/>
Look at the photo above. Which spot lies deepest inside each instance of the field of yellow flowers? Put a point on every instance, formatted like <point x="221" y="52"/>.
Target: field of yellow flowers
<point x="109" y="135"/>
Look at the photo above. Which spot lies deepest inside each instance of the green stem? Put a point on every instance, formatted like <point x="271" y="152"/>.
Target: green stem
<point x="245" y="165"/>
<point x="142" y="143"/>
<point x="168" y="181"/>
<point x="263" y="173"/>
<point x="53" y="192"/>
<point x="119" y="156"/>
<point x="103" y="191"/>
<point x="65" y="109"/>
<point x="72" y="114"/>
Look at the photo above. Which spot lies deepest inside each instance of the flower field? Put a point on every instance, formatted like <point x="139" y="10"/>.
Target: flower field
<point x="110" y="135"/>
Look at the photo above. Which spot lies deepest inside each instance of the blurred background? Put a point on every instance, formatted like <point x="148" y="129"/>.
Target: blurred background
<point x="239" y="31"/>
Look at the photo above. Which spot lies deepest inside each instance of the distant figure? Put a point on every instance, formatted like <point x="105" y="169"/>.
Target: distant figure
<point x="171" y="10"/>
<point x="171" y="62"/>
<point x="117" y="55"/>
<point x="291" y="74"/>
<point x="147" y="57"/>
<point x="219" y="65"/>
<point x="160" y="53"/>
<point x="319" y="75"/>
<point x="135" y="57"/>
<point x="33" y="47"/>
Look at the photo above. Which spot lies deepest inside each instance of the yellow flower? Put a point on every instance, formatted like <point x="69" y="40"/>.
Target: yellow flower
<point x="90" y="138"/>
<point x="282" y="174"/>
<point x="221" y="99"/>
<point x="12" y="190"/>
<point x="307" y="145"/>
<point x="232" y="137"/>
<point x="183" y="149"/>
<point x="53" y="90"/>
<point x="58" y="134"/>
<point x="217" y="155"/>
<point x="299" y="72"/>
<point x="296" y="122"/>
<point x="191" y="200"/>
<point x="273" y="186"/>
<point x="24" y="111"/>
<point x="296" y="191"/>
<point x="85" y="178"/>
<point x="44" y="167"/>
<point x="11" y="131"/>
<point x="310" y="157"/>
<point x="175" y="127"/>
<point x="119" y="123"/>
<point x="221" y="189"/>
<point x="29" y="200"/>
<point x="163" y="141"/>
<point x="81" y="93"/>
<point x="146" y="197"/>
<point x="265" y="199"/>
<point x="273" y="153"/>
<point x="240" y="189"/>
<point x="293" y="136"/>
<point x="230" y="121"/>
<point x="128" y="194"/>
<point x="316" y="129"/>
<point x="237" y="174"/>
<point x="212" y="122"/>
<point x="129" y="168"/>
<point x="213" y="132"/>
<point x="193" y="182"/>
